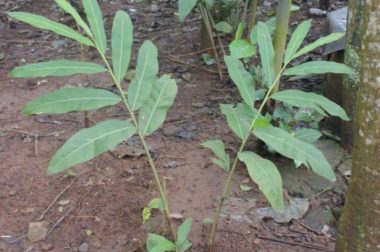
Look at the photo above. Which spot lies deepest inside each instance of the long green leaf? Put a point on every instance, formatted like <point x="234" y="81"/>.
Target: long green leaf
<point x="302" y="99"/>
<point x="320" y="42"/>
<point x="293" y="148"/>
<point x="56" y="68"/>
<point x="266" y="175"/>
<point x="71" y="99"/>
<point x="95" y="18"/>
<point x="308" y="134"/>
<point x="218" y="149"/>
<point x="318" y="67"/>
<point x="183" y="232"/>
<point x="122" y="40"/>
<point x="66" y="6"/>
<point x="242" y="79"/>
<point x="264" y="41"/>
<point x="47" y="24"/>
<point x="242" y="49"/>
<point x="88" y="143"/>
<point x="185" y="7"/>
<point x="153" y="113"/>
<point x="296" y="40"/>
<point x="237" y="118"/>
<point x="271" y="24"/>
<point x="146" y="72"/>
<point x="158" y="243"/>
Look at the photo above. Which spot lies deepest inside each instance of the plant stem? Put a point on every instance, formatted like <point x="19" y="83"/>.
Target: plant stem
<point x="252" y="19"/>
<point x="228" y="183"/>
<point x="145" y="146"/>
<point x="281" y="32"/>
<point x="217" y="35"/>
<point x="245" y="10"/>
<point x="206" y="20"/>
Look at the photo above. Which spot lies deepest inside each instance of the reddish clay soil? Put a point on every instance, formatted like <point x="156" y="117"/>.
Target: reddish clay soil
<point x="100" y="206"/>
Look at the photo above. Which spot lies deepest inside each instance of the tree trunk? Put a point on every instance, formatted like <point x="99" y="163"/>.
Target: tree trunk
<point x="359" y="228"/>
<point x="356" y="17"/>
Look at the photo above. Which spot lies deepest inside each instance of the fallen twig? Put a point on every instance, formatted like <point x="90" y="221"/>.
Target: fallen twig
<point x="55" y="200"/>
<point x="172" y="58"/>
<point x="309" y="228"/>
<point x="58" y="222"/>
<point x="294" y="243"/>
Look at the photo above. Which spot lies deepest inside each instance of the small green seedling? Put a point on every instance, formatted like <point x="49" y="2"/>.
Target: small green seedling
<point x="155" y="203"/>
<point x="147" y="99"/>
<point x="157" y="243"/>
<point x="245" y="119"/>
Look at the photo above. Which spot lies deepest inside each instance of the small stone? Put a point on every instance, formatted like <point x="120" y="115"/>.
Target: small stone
<point x="176" y="216"/>
<point x="186" y="76"/>
<point x="47" y="246"/>
<point x="2" y="56"/>
<point x="154" y="8"/>
<point x="64" y="202"/>
<point x="83" y="247"/>
<point x="12" y="193"/>
<point x="37" y="231"/>
<point x="188" y="135"/>
<point x="198" y="104"/>
<point x="173" y="164"/>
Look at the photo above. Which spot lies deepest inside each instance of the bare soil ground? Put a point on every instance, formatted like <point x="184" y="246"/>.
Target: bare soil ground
<point x="99" y="208"/>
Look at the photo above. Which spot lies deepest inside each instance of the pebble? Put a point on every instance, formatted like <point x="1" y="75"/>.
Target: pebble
<point x="83" y="247"/>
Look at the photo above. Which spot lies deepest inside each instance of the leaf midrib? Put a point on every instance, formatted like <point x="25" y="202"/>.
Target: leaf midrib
<point x="244" y="84"/>
<point x="89" y="142"/>
<point x="155" y="107"/>
<point x="95" y="20"/>
<point x="273" y="185"/>
<point x="287" y="143"/>
<point x="140" y="79"/>
<point x="73" y="99"/>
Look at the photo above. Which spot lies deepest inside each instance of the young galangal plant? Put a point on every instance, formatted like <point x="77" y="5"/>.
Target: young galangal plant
<point x="146" y="100"/>
<point x="245" y="119"/>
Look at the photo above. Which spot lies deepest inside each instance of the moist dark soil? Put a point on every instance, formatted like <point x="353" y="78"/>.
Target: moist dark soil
<point x="97" y="206"/>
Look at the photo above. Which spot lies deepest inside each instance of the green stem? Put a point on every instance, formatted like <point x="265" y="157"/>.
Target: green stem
<point x="228" y="183"/>
<point x="282" y="25"/>
<point x="252" y="19"/>
<point x="145" y="146"/>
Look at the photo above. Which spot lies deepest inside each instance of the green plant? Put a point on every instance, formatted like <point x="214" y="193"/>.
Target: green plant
<point x="245" y="120"/>
<point x="215" y="14"/>
<point x="146" y="100"/>
<point x="157" y="243"/>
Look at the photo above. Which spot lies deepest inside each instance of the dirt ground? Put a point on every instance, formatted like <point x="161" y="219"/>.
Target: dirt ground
<point x="97" y="206"/>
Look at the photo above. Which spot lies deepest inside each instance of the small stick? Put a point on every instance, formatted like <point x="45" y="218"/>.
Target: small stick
<point x="36" y="145"/>
<point x="209" y="31"/>
<point x="58" y="222"/>
<point x="172" y="157"/>
<point x="55" y="200"/>
<point x="294" y="243"/>
<point x="24" y="41"/>
<point x="309" y="228"/>
<point x="172" y="58"/>
<point x="221" y="46"/>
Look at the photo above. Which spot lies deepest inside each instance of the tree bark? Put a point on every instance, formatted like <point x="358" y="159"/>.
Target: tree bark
<point x="359" y="228"/>
<point x="353" y="58"/>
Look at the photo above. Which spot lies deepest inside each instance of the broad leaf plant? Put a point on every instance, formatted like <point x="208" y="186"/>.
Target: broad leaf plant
<point x="147" y="99"/>
<point x="247" y="118"/>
